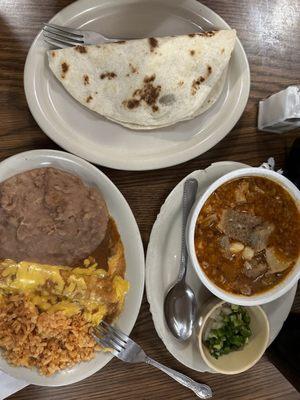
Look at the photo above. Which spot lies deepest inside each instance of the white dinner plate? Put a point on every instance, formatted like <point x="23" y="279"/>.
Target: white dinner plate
<point x="162" y="266"/>
<point x="134" y="254"/>
<point x="103" y="142"/>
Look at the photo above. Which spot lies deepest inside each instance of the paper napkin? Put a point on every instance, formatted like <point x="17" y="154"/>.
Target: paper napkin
<point x="9" y="385"/>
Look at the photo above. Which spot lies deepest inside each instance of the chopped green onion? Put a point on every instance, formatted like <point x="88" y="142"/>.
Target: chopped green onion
<point x="233" y="333"/>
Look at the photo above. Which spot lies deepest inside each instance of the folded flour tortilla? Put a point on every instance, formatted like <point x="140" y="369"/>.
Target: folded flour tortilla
<point x="209" y="101"/>
<point x="147" y="83"/>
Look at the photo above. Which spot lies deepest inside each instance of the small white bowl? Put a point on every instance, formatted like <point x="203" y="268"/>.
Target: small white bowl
<point x="281" y="288"/>
<point x="240" y="360"/>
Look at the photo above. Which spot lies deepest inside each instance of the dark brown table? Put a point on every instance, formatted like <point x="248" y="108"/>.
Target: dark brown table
<point x="270" y="33"/>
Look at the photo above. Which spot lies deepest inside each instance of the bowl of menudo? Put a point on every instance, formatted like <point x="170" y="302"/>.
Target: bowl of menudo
<point x="244" y="236"/>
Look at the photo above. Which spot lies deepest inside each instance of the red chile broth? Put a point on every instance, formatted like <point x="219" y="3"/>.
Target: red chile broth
<point x="247" y="235"/>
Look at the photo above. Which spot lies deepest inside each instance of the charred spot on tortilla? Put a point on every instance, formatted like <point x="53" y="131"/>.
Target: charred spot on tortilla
<point x="133" y="69"/>
<point x="153" y="43"/>
<point x="150" y="93"/>
<point x="207" y="34"/>
<point x="108" y="75"/>
<point x="53" y="53"/>
<point x="167" y="99"/>
<point x="196" y="83"/>
<point x="80" y="49"/>
<point x="89" y="98"/>
<point x="192" y="34"/>
<point x="64" y="69"/>
<point x="155" y="108"/>
<point x="120" y="42"/>
<point x="133" y="103"/>
<point x="180" y="83"/>
<point x="192" y="52"/>
<point x="148" y="79"/>
<point x="86" y="80"/>
<point x="147" y="94"/>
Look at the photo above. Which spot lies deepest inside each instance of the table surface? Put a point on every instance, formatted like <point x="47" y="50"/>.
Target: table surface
<point x="270" y="33"/>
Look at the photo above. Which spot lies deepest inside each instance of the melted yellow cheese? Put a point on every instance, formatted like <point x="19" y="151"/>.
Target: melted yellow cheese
<point x="27" y="277"/>
<point x="121" y="287"/>
<point x="58" y="288"/>
<point x="66" y="307"/>
<point x="96" y="315"/>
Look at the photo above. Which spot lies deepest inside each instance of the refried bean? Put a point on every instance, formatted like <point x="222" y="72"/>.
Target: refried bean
<point x="50" y="216"/>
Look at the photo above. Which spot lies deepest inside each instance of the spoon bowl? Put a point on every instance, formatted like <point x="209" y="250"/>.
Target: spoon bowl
<point x="180" y="301"/>
<point x="180" y="310"/>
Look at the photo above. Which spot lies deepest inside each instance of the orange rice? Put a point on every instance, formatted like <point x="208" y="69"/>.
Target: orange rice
<point x="48" y="341"/>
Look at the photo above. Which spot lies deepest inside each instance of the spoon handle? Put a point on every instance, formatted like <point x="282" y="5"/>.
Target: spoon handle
<point x="189" y="194"/>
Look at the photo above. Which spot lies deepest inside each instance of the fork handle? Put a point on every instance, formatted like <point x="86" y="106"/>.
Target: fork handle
<point x="201" y="390"/>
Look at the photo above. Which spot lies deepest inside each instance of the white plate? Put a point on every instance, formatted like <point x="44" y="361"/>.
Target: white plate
<point x="134" y="254"/>
<point x="86" y="134"/>
<point x="162" y="265"/>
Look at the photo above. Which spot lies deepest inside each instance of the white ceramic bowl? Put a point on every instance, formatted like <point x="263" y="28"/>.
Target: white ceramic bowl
<point x="134" y="254"/>
<point x="243" y="359"/>
<point x="255" y="299"/>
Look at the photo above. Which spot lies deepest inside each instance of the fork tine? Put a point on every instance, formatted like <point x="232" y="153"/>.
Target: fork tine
<point x="55" y="43"/>
<point x="105" y="345"/>
<point x="116" y="331"/>
<point x="64" y="29"/>
<point x="61" y="41"/>
<point x="112" y="336"/>
<point x="62" y="34"/>
<point x="110" y="343"/>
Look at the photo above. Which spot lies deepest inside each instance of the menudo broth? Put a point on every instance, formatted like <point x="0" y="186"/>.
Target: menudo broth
<point x="247" y="235"/>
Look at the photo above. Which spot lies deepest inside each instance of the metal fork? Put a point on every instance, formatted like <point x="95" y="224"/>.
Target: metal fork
<point x="61" y="36"/>
<point x="127" y="350"/>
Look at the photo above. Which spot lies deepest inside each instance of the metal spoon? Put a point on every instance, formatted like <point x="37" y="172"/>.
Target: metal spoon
<point x="180" y="302"/>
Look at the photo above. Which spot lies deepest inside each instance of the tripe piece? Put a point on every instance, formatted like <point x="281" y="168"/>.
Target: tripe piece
<point x="246" y="228"/>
